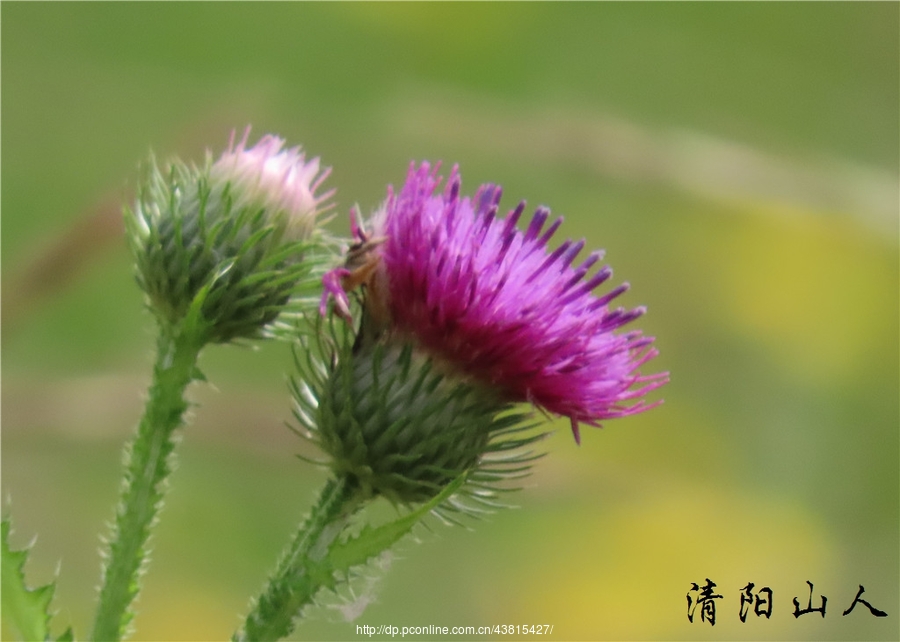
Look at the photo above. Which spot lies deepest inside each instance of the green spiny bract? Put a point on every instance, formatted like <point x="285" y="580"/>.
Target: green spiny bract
<point x="398" y="426"/>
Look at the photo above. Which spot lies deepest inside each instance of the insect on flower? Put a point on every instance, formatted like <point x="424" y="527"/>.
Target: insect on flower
<point x="360" y="270"/>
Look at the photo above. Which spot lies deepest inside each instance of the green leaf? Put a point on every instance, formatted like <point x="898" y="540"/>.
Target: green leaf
<point x="371" y="542"/>
<point x="68" y="636"/>
<point x="27" y="609"/>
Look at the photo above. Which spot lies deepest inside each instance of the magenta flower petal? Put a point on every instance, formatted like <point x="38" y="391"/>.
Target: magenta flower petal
<point x="495" y="304"/>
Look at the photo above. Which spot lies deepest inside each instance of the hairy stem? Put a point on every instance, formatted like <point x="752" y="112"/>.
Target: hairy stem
<point x="301" y="571"/>
<point x="148" y="465"/>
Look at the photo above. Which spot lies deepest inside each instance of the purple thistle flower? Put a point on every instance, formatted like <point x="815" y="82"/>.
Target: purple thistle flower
<point x="493" y="303"/>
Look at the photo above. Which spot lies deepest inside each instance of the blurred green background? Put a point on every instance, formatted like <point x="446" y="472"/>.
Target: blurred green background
<point x="739" y="162"/>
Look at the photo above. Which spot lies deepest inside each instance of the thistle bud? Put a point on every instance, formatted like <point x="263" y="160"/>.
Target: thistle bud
<point x="230" y="244"/>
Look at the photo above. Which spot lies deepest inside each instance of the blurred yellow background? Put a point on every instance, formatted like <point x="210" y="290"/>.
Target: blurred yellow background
<point x="739" y="162"/>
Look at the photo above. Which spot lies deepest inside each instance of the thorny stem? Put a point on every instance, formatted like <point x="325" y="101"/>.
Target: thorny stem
<point x="149" y="463"/>
<point x="301" y="572"/>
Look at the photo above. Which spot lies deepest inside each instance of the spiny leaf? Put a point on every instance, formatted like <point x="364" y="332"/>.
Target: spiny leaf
<point x="373" y="541"/>
<point x="27" y="609"/>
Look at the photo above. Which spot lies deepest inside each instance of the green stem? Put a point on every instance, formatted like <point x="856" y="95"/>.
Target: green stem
<point x="302" y="570"/>
<point x="148" y="466"/>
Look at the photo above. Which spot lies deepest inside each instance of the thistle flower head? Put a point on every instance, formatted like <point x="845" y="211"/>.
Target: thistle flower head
<point x="230" y="245"/>
<point x="496" y="305"/>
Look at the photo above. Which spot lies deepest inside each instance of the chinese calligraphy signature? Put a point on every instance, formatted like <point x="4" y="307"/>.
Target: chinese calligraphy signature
<point x="761" y="602"/>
